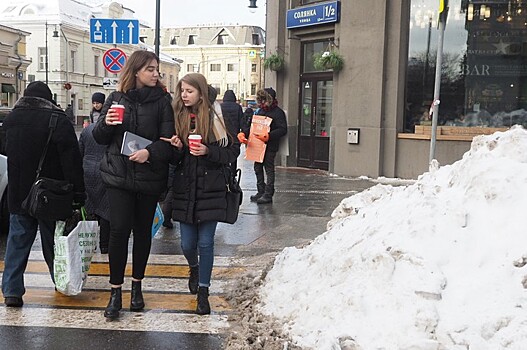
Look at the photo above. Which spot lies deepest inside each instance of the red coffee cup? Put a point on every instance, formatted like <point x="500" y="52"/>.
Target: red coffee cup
<point x="120" y="111"/>
<point x="194" y="140"/>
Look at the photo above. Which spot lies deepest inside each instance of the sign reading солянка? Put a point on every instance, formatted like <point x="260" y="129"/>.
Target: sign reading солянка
<point x="328" y="12"/>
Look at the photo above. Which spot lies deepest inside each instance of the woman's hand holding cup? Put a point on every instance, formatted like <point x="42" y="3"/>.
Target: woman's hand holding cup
<point x="196" y="147"/>
<point x="115" y="115"/>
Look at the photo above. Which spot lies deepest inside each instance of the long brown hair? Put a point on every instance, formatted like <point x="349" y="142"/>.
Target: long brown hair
<point x="134" y="63"/>
<point x="203" y="109"/>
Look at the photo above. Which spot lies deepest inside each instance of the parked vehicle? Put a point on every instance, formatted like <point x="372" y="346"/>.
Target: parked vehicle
<point x="4" y="211"/>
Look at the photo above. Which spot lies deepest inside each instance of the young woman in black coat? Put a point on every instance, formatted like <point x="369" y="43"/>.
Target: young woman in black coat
<point x="134" y="182"/>
<point x="199" y="186"/>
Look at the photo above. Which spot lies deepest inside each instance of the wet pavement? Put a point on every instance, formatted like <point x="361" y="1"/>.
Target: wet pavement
<point x="303" y="203"/>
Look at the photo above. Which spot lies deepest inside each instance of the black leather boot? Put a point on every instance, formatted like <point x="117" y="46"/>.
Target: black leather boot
<point x="137" y="302"/>
<point x="203" y="307"/>
<point x="255" y="197"/>
<point x="193" y="279"/>
<point x="114" y="305"/>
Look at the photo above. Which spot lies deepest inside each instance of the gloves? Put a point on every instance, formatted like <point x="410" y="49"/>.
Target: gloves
<point x="242" y="138"/>
<point x="262" y="137"/>
<point x="79" y="199"/>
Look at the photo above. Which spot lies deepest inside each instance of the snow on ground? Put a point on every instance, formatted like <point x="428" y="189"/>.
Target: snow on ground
<point x="438" y="264"/>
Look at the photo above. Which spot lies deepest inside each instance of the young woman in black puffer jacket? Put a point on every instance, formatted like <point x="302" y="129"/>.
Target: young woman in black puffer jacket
<point x="134" y="182"/>
<point x="199" y="186"/>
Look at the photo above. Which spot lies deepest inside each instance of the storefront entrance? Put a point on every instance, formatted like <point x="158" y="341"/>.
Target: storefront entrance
<point x="315" y="121"/>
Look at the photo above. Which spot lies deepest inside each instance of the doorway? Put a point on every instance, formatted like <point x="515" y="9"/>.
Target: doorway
<point x="315" y="122"/>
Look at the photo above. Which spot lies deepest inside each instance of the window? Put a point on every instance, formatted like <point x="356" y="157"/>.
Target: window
<point x="73" y="55"/>
<point x="171" y="82"/>
<point x="309" y="51"/>
<point x="215" y="67"/>
<point x="81" y="104"/>
<point x="233" y="87"/>
<point x="96" y="60"/>
<point x="253" y="67"/>
<point x="41" y="58"/>
<point x="256" y="39"/>
<point x="253" y="89"/>
<point x="192" y="39"/>
<point x="217" y="87"/>
<point x="483" y="75"/>
<point x="223" y="39"/>
<point x="232" y="67"/>
<point x="190" y="68"/>
<point x="174" y="40"/>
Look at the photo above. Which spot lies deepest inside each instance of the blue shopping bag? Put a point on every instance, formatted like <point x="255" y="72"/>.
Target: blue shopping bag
<point x="158" y="220"/>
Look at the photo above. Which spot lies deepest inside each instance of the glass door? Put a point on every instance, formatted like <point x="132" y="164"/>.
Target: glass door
<point x="315" y="122"/>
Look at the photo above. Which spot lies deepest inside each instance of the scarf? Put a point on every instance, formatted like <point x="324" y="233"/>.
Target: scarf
<point x="266" y="108"/>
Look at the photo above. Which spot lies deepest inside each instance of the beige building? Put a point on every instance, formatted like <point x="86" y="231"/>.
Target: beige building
<point x="372" y="117"/>
<point x="230" y="57"/>
<point x="62" y="53"/>
<point x="13" y="64"/>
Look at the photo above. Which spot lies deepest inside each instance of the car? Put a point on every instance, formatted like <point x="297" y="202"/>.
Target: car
<point x="4" y="211"/>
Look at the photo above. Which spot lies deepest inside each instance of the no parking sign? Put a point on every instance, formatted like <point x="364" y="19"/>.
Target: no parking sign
<point x="114" y="60"/>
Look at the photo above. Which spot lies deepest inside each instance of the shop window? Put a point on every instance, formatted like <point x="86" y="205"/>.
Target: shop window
<point x="483" y="74"/>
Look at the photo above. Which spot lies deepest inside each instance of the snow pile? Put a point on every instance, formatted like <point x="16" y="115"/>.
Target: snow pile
<point x="439" y="264"/>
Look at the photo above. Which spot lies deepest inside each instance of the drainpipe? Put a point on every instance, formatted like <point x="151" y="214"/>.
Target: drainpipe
<point x="66" y="60"/>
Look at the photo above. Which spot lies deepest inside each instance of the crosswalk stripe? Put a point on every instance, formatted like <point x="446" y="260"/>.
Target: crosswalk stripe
<point x="152" y="270"/>
<point x="149" y="321"/>
<point x="99" y="299"/>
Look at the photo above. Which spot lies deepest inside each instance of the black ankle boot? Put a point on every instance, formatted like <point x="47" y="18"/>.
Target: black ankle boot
<point x="255" y="197"/>
<point x="114" y="305"/>
<point x="193" y="279"/>
<point x="203" y="307"/>
<point x="137" y="302"/>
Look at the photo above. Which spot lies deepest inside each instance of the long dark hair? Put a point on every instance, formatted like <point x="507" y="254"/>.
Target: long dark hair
<point x="135" y="62"/>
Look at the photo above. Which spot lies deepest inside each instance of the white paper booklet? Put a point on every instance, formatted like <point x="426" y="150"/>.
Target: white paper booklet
<point x="133" y="143"/>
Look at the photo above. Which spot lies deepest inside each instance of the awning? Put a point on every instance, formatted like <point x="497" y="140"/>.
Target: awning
<point x="9" y="88"/>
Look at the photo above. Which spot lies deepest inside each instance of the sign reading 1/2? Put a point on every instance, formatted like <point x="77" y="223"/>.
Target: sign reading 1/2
<point x="312" y="15"/>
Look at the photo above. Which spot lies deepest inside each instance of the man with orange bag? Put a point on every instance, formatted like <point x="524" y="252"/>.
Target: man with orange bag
<point x="268" y="105"/>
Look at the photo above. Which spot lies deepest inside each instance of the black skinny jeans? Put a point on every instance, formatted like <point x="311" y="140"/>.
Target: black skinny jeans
<point x="129" y="211"/>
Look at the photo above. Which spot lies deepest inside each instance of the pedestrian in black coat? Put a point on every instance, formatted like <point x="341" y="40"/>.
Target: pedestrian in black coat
<point x="97" y="197"/>
<point x="134" y="182"/>
<point x="268" y="106"/>
<point x="233" y="116"/>
<point x="27" y="130"/>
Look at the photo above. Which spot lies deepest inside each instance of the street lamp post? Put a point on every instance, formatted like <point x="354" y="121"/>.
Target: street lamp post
<point x="46" y="59"/>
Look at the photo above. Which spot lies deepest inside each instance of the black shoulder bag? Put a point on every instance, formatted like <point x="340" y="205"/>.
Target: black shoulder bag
<point x="234" y="195"/>
<point x="49" y="199"/>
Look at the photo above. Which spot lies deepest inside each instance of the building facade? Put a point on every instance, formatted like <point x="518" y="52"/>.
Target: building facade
<point x="13" y="64"/>
<point x="230" y="57"/>
<point x="372" y="117"/>
<point x="62" y="53"/>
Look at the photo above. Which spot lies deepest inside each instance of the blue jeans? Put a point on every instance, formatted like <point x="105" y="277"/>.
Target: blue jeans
<point x="22" y="233"/>
<point x="199" y="238"/>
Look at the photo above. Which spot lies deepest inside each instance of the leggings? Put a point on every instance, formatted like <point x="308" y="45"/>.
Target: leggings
<point x="129" y="211"/>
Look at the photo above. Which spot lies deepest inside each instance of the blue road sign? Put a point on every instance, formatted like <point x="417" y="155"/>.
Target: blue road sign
<point x="114" y="60"/>
<point x="114" y="31"/>
<point x="312" y="15"/>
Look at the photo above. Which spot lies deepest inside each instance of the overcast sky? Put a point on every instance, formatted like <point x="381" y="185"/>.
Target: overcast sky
<point x="180" y="13"/>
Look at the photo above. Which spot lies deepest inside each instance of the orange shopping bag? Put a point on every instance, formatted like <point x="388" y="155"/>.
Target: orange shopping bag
<point x="261" y="124"/>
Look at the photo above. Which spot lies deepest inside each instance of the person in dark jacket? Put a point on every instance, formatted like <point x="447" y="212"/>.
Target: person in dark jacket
<point x="268" y="106"/>
<point x="97" y="101"/>
<point x="97" y="197"/>
<point x="199" y="186"/>
<point x="70" y="114"/>
<point x="233" y="116"/>
<point x="134" y="182"/>
<point x="27" y="130"/>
